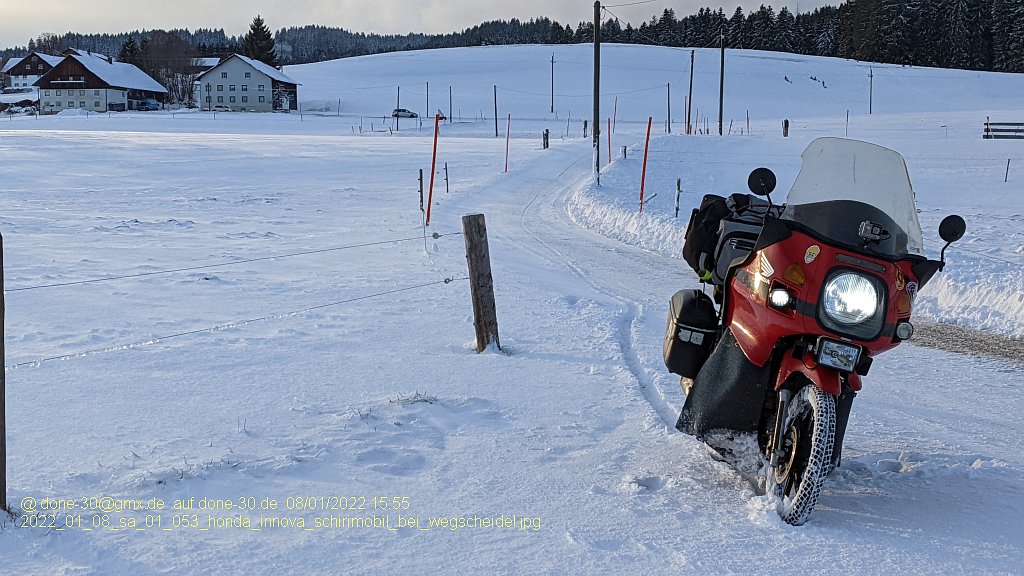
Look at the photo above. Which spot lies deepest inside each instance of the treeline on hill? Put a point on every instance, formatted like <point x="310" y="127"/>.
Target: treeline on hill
<point x="970" y="34"/>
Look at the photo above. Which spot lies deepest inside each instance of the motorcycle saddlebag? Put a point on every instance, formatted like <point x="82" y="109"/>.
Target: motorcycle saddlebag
<point x="690" y="335"/>
<point x="702" y="234"/>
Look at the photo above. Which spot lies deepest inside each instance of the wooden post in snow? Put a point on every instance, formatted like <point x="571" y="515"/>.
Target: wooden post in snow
<point x="481" y="285"/>
<point x="679" y="190"/>
<point x="3" y="390"/>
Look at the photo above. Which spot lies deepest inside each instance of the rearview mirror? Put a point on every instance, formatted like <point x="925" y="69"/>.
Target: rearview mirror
<point x="952" y="228"/>
<point x="761" y="181"/>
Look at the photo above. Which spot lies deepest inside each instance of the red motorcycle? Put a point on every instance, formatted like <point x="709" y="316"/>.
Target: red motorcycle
<point x="808" y="293"/>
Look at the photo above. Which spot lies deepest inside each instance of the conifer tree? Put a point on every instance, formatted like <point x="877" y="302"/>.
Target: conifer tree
<point x="784" y="39"/>
<point x="258" y="44"/>
<point x="737" y="27"/>
<point x="129" y="51"/>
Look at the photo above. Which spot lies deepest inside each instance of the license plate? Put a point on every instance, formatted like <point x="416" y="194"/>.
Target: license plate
<point x="838" y="355"/>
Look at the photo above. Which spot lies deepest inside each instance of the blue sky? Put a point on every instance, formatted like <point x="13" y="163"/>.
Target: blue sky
<point x="20" y="21"/>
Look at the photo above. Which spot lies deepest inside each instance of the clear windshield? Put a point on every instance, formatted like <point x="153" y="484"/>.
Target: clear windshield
<point x="844" y="183"/>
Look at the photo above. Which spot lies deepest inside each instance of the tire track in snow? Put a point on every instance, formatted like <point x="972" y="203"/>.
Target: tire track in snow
<point x="627" y="321"/>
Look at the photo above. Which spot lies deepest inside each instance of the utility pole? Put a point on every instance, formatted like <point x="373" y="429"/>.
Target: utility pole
<point x="427" y="111"/>
<point x="495" y="110"/>
<point x="689" y="100"/>
<point x="552" y="82"/>
<point x="597" y="91"/>
<point x="871" y="88"/>
<point x="721" y="82"/>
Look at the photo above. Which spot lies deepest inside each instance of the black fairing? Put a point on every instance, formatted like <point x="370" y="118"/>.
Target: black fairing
<point x="728" y="393"/>
<point x="843" y="405"/>
<point x="773" y="232"/>
<point x="924" y="271"/>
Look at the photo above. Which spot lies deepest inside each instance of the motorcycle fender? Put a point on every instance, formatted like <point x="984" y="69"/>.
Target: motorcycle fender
<point x="825" y="378"/>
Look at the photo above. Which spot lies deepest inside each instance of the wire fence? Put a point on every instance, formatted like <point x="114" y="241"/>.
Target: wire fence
<point x="222" y="264"/>
<point x="235" y="324"/>
<point x="445" y="280"/>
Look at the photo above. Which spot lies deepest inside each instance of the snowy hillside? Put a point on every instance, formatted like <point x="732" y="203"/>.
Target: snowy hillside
<point x="241" y="315"/>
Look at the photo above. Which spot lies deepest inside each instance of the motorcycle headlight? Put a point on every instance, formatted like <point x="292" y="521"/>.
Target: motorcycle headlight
<point x="850" y="298"/>
<point x="852" y="304"/>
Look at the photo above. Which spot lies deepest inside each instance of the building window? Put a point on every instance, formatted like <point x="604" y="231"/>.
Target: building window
<point x="261" y="88"/>
<point x="248" y="74"/>
<point x="40" y="67"/>
<point x="56" y="104"/>
<point x="35" y="58"/>
<point x="245" y="99"/>
<point x="71" y="104"/>
<point x="263" y="99"/>
<point x="208" y="87"/>
<point x="46" y="104"/>
<point x="58" y="92"/>
<point x="208" y="99"/>
<point x="95" y="92"/>
<point x="96" y="104"/>
<point x="46" y="93"/>
<point x="245" y="87"/>
<point x="220" y="99"/>
<point x="220" y="87"/>
<point x="231" y="88"/>
<point x="81" y="92"/>
<point x="81" y="104"/>
<point x="223" y="74"/>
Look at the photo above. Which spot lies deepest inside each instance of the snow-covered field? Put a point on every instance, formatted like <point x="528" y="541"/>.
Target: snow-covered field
<point x="305" y="362"/>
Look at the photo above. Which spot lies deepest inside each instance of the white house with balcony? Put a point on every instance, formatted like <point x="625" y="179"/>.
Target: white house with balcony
<point x="245" y="84"/>
<point x="96" y="83"/>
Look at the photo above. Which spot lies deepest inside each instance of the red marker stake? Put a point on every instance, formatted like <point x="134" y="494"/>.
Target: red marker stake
<point x="433" y="165"/>
<point x="643" y="174"/>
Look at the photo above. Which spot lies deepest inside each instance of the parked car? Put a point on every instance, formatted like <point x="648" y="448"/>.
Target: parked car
<point x="403" y="113"/>
<point x="148" y="106"/>
<point x="221" y="108"/>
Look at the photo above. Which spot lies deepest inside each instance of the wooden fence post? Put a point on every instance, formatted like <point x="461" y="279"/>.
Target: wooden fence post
<point x="679" y="190"/>
<point x="478" y="258"/>
<point x="3" y="390"/>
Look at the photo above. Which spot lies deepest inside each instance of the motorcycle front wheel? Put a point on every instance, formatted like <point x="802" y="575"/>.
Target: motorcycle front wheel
<point x="805" y="454"/>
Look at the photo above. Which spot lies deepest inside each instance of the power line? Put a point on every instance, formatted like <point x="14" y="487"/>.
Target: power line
<point x="629" y="4"/>
<point x="223" y="264"/>
<point x="658" y="87"/>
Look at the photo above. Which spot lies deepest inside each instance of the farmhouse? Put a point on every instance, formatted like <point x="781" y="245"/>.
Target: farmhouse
<point x="244" y="84"/>
<point x="97" y="83"/>
<point x="24" y="72"/>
